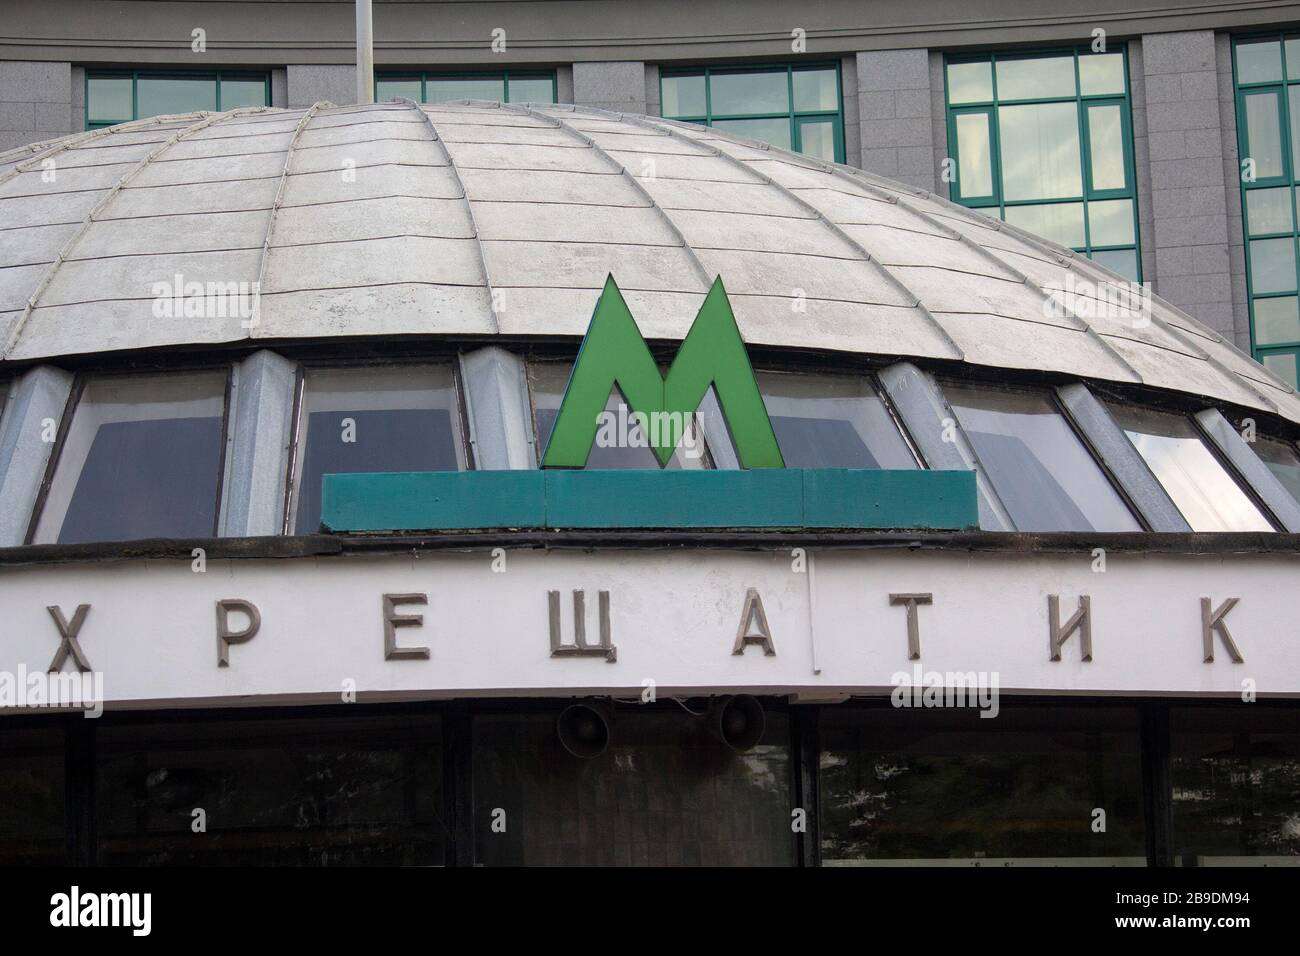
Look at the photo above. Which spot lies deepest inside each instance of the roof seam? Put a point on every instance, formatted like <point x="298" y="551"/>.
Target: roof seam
<point x="469" y="209"/>
<point x="1070" y="260"/>
<point x="804" y="204"/>
<point x="274" y="213"/>
<point x="862" y="182"/>
<point x="66" y="143"/>
<point x="103" y="204"/>
<point x="700" y="268"/>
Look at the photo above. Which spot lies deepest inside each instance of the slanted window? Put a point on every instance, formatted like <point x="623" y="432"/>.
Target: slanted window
<point x="1201" y="488"/>
<point x="372" y="420"/>
<point x="620" y="441"/>
<point x="796" y="107"/>
<point x="832" y="422"/>
<point x="1042" y="473"/>
<point x="506" y="87"/>
<point x="118" y="97"/>
<point x="1045" y="142"/>
<point x="141" y="459"/>
<point x="1282" y="460"/>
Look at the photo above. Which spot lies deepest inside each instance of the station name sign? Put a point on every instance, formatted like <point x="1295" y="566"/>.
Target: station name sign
<point x="535" y="623"/>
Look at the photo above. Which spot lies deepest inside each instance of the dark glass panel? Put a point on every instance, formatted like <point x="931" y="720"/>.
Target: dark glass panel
<point x="664" y="793"/>
<point x="312" y="792"/>
<point x="948" y="786"/>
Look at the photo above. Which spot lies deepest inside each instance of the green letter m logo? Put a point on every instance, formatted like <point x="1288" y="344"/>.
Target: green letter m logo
<point x="614" y="353"/>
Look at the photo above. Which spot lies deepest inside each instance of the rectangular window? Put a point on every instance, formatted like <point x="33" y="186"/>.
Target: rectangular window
<point x="830" y="421"/>
<point x="318" y="791"/>
<point x="141" y="459"/>
<point x="1267" y="75"/>
<point x="664" y="793"/>
<point x="1201" y="488"/>
<point x="795" y="107"/>
<point x="33" y="799"/>
<point x="121" y="96"/>
<point x="1040" y="470"/>
<point x="942" y="786"/>
<point x="1045" y="142"/>
<point x="619" y="440"/>
<point x="1235" y="775"/>
<point x="372" y="420"/>
<point x="507" y="87"/>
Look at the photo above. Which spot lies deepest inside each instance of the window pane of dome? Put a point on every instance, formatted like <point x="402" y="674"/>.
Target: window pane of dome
<point x="825" y="421"/>
<point x="619" y="442"/>
<point x="373" y="420"/>
<point x="141" y="459"/>
<point x="1208" y="497"/>
<point x="1282" y="460"/>
<point x="1037" y="465"/>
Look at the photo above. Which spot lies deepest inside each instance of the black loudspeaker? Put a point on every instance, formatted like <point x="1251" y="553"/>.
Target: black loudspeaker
<point x="583" y="728"/>
<point x="737" y="721"/>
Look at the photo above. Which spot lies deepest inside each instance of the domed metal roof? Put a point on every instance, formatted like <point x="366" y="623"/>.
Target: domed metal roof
<point x="484" y="219"/>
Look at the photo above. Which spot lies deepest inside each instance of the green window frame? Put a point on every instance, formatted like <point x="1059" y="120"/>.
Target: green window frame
<point x="799" y="120"/>
<point x="978" y="114"/>
<point x="217" y="77"/>
<point x="1268" y="202"/>
<point x="425" y="77"/>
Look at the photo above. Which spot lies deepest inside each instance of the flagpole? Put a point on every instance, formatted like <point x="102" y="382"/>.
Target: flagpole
<point x="365" y="53"/>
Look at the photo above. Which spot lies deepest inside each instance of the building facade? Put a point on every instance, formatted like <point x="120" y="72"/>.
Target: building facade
<point x="955" y="557"/>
